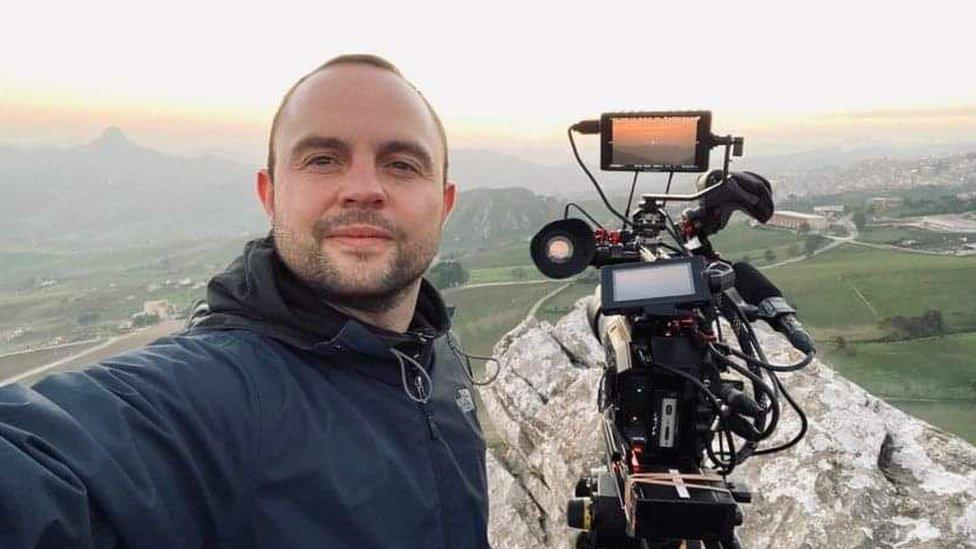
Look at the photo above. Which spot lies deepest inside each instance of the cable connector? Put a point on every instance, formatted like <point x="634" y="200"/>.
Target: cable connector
<point x="586" y="127"/>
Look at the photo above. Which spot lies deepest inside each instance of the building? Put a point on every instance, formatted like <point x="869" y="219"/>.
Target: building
<point x="830" y="212"/>
<point x="798" y="221"/>
<point x="160" y="308"/>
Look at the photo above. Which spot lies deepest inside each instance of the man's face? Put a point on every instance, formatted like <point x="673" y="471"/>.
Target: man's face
<point x="358" y="199"/>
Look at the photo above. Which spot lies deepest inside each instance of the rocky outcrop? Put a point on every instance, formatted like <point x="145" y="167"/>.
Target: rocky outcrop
<point x="865" y="475"/>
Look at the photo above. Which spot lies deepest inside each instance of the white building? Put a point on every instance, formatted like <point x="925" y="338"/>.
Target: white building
<point x="830" y="212"/>
<point x="798" y="221"/>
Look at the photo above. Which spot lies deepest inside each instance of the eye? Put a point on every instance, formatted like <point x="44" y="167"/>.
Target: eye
<point x="320" y="160"/>
<point x="404" y="166"/>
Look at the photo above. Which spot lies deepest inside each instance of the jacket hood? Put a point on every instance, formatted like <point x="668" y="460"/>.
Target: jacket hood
<point x="258" y="292"/>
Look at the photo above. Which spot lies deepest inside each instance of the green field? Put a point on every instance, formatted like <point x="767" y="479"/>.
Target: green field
<point x="846" y="291"/>
<point x="95" y="290"/>
<point x="505" y="274"/>
<point x="933" y="378"/>
<point x="825" y="290"/>
<point x="505" y="255"/>
<point x="485" y="314"/>
<point x="927" y="368"/>
<point x="557" y="307"/>
<point x="738" y="240"/>
<point x="911" y="237"/>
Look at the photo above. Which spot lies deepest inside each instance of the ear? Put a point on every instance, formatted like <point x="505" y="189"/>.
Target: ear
<point x="450" y="200"/>
<point x="265" y="190"/>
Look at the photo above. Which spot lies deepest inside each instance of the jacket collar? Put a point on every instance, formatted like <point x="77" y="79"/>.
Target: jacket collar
<point x="259" y="293"/>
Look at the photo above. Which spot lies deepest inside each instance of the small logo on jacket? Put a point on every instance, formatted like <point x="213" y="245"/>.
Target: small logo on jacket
<point x="464" y="400"/>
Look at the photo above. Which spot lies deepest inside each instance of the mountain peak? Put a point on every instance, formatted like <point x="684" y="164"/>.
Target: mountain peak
<point x="113" y="138"/>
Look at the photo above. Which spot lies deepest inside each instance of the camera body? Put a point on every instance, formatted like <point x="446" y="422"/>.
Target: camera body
<point x="651" y="318"/>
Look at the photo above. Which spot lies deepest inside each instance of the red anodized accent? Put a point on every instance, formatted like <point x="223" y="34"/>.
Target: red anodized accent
<point x="635" y="453"/>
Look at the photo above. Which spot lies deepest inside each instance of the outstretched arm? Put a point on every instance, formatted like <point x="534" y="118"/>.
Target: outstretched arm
<point x="153" y="447"/>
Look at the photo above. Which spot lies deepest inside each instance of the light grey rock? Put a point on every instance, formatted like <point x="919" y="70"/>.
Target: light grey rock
<point x="865" y="475"/>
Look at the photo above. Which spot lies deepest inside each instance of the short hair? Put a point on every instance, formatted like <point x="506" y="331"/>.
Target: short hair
<point x="352" y="59"/>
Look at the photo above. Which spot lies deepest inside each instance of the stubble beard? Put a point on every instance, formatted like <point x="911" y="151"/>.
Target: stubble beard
<point x="365" y="285"/>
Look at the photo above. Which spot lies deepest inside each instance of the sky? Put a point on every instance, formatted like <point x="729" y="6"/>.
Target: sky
<point x="206" y="76"/>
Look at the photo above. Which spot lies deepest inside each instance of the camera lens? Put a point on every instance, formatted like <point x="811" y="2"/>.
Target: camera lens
<point x="559" y="249"/>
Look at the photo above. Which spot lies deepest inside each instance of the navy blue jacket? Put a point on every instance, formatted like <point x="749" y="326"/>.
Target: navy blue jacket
<point x="273" y="421"/>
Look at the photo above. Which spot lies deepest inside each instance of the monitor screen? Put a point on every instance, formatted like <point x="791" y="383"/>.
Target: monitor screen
<point x="653" y="281"/>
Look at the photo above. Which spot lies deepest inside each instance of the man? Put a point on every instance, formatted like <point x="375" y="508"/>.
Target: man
<point x="315" y="401"/>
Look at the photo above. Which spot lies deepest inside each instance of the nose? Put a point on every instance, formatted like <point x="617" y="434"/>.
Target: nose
<point x="362" y="188"/>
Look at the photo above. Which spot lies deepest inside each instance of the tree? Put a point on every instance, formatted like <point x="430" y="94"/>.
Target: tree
<point x="519" y="273"/>
<point x="860" y="219"/>
<point x="769" y="255"/>
<point x="447" y="274"/>
<point x="810" y="243"/>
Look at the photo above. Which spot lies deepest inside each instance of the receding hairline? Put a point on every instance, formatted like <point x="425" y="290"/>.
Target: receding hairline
<point x="360" y="60"/>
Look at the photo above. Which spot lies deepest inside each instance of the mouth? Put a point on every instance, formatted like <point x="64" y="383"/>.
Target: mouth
<point x="360" y="236"/>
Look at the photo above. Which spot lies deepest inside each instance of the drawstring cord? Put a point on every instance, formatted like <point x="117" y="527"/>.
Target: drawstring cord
<point x="467" y="360"/>
<point x="425" y="386"/>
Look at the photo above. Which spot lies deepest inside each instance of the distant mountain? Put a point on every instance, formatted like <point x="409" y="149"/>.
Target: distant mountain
<point x="486" y="218"/>
<point x="473" y="168"/>
<point x="112" y="191"/>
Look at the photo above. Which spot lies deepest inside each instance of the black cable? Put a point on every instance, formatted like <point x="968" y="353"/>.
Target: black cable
<point x="718" y="409"/>
<point x="599" y="191"/>
<point x="630" y="198"/>
<point x="723" y="467"/>
<point x="779" y="387"/>
<point x="799" y="413"/>
<point x="774" y="367"/>
<point x="667" y="189"/>
<point x="773" y="408"/>
<point x="580" y="208"/>
<point x="752" y="340"/>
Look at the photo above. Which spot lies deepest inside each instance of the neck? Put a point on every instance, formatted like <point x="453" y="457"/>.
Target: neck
<point x="397" y="318"/>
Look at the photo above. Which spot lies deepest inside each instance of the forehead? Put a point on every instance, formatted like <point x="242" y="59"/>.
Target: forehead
<point x="361" y="104"/>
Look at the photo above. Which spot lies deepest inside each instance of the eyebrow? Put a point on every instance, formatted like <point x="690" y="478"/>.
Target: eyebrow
<point x="313" y="142"/>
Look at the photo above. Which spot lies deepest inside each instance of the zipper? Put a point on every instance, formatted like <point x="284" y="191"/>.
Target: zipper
<point x="431" y="424"/>
<point x="418" y="380"/>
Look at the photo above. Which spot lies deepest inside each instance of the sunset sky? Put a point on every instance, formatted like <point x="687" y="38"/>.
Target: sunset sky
<point x="202" y="76"/>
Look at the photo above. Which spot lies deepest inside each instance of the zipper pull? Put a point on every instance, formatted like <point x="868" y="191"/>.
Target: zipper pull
<point x="419" y="383"/>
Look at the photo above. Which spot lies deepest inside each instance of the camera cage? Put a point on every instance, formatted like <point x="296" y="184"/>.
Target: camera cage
<point x="668" y="350"/>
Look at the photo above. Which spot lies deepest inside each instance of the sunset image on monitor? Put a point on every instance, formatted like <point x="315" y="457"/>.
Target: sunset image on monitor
<point x="654" y="141"/>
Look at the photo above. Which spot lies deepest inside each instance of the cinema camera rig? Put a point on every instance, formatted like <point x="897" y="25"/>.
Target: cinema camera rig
<point x="681" y="406"/>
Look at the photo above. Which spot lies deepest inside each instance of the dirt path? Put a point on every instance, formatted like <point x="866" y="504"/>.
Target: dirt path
<point x="864" y="300"/>
<point x="110" y="348"/>
<point x="547" y="297"/>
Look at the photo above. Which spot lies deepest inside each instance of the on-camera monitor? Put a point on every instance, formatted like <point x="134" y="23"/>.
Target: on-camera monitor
<point x="656" y="141"/>
<point x="653" y="282"/>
